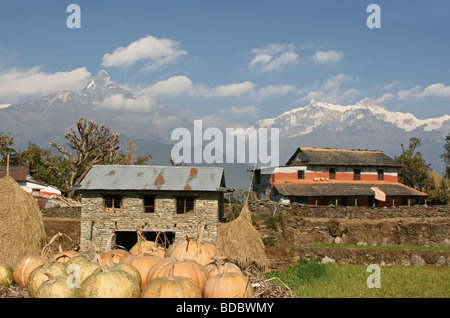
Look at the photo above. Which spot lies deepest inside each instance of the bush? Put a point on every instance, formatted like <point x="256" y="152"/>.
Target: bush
<point x="300" y="273"/>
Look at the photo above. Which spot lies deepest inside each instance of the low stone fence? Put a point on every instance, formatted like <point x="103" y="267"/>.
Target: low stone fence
<point x="382" y="257"/>
<point x="62" y="212"/>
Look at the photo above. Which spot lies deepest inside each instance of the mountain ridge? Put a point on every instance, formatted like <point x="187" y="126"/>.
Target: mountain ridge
<point x="364" y="125"/>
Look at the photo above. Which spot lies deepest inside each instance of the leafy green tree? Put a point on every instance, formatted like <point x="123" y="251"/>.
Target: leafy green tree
<point x="415" y="172"/>
<point x="6" y="148"/>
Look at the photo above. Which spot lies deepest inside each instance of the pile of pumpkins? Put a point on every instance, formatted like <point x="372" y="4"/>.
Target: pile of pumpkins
<point x="189" y="268"/>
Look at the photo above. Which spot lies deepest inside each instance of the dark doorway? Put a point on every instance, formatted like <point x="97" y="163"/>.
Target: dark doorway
<point x="128" y="239"/>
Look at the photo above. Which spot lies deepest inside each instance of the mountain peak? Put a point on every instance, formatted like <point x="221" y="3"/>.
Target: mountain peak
<point x="100" y="80"/>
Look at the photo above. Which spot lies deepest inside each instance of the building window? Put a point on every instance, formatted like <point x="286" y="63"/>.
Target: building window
<point x="381" y="174"/>
<point x="301" y="174"/>
<point x="185" y="205"/>
<point x="332" y="172"/>
<point x="149" y="204"/>
<point x="257" y="176"/>
<point x="112" y="203"/>
<point x="357" y="174"/>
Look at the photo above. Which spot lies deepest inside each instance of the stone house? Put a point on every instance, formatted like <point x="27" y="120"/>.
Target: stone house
<point x="331" y="176"/>
<point x="173" y="199"/>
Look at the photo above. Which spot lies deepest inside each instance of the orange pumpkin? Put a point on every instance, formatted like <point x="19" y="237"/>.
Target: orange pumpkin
<point x="228" y="285"/>
<point x="171" y="287"/>
<point x="150" y="248"/>
<point x="181" y="267"/>
<point x="141" y="262"/>
<point x="113" y="256"/>
<point x="24" y="268"/>
<point x="221" y="265"/>
<point x="194" y="249"/>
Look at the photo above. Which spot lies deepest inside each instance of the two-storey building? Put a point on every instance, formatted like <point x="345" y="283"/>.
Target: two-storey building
<point x="330" y="176"/>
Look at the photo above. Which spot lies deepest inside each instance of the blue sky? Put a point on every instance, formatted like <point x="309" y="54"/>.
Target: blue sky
<point x="233" y="62"/>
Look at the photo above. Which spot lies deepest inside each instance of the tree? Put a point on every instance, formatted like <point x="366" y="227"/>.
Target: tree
<point x="91" y="144"/>
<point x="415" y="171"/>
<point x="130" y="156"/>
<point x="6" y="148"/>
<point x="446" y="156"/>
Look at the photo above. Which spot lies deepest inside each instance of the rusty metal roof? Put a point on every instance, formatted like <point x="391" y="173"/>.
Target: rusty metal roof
<point x="174" y="178"/>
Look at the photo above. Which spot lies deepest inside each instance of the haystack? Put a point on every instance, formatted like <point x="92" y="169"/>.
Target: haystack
<point x="22" y="230"/>
<point x="241" y="242"/>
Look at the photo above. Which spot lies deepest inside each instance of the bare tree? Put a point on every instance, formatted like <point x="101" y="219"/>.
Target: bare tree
<point x="91" y="144"/>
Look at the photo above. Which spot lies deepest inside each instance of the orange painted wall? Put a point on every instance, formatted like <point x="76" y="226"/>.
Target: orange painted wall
<point x="281" y="177"/>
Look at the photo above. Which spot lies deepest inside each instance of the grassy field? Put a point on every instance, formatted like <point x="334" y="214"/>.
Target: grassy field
<point x="311" y="279"/>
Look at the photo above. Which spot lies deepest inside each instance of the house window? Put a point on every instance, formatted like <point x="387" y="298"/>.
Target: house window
<point x="357" y="174"/>
<point x="381" y="174"/>
<point x="149" y="204"/>
<point x="300" y="174"/>
<point x="185" y="205"/>
<point x="112" y="203"/>
<point x="257" y="176"/>
<point x="332" y="172"/>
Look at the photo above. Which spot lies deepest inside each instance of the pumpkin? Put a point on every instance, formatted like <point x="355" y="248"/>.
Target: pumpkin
<point x="221" y="265"/>
<point x="130" y="269"/>
<point x="56" y="287"/>
<point x="113" y="256"/>
<point x="6" y="275"/>
<point x="228" y="285"/>
<point x="193" y="249"/>
<point x="65" y="256"/>
<point x="80" y="265"/>
<point x="171" y="287"/>
<point x="110" y="284"/>
<point x="37" y="276"/>
<point x="24" y="268"/>
<point x="30" y="262"/>
<point x="150" y="248"/>
<point x="141" y="262"/>
<point x="181" y="267"/>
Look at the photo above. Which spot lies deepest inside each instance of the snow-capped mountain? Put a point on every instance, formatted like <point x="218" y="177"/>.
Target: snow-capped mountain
<point x="100" y="100"/>
<point x="364" y="125"/>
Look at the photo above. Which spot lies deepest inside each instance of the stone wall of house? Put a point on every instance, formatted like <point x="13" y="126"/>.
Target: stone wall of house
<point x="97" y="225"/>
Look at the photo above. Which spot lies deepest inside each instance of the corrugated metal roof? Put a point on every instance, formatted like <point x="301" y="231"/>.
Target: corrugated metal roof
<point x="174" y="178"/>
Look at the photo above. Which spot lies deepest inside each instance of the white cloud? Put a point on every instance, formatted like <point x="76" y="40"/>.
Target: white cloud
<point x="243" y="111"/>
<point x="16" y="84"/>
<point x="332" y="56"/>
<point x="234" y="89"/>
<point x="384" y="98"/>
<point x="173" y="86"/>
<point x="156" y="52"/>
<point x="271" y="90"/>
<point x="273" y="57"/>
<point x="333" y="90"/>
<point x="118" y="102"/>
<point x="436" y="90"/>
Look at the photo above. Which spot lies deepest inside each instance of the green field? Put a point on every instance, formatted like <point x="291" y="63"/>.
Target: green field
<point x="311" y="279"/>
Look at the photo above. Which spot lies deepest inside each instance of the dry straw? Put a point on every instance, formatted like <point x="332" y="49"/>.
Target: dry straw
<point x="22" y="230"/>
<point x="240" y="241"/>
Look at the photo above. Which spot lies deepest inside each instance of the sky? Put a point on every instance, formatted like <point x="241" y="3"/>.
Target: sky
<point x="232" y="62"/>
